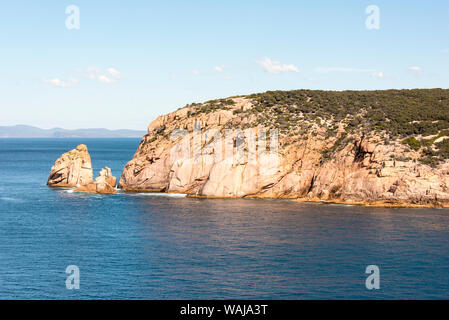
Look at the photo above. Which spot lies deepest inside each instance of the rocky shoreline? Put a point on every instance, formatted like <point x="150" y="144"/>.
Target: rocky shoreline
<point x="73" y="170"/>
<point x="375" y="204"/>
<point x="230" y="148"/>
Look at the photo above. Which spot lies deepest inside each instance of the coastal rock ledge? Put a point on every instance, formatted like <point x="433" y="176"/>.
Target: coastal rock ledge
<point x="72" y="169"/>
<point x="345" y="147"/>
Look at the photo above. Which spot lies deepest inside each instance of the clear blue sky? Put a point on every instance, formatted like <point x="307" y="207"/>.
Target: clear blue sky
<point x="131" y="61"/>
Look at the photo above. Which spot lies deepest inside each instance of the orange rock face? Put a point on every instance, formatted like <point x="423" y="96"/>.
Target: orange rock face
<point x="74" y="169"/>
<point x="311" y="164"/>
<point x="71" y="169"/>
<point x="104" y="184"/>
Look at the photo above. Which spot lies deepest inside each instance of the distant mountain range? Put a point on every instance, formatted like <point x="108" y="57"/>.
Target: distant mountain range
<point x="23" y="131"/>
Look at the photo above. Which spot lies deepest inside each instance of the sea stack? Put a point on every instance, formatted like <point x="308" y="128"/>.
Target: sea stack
<point x="72" y="169"/>
<point x="105" y="183"/>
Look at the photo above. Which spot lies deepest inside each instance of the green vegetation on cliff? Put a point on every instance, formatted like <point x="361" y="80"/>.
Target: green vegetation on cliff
<point x="399" y="112"/>
<point x="410" y="115"/>
<point x="416" y="118"/>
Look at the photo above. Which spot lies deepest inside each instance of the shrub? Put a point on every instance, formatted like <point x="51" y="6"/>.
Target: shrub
<point x="412" y="142"/>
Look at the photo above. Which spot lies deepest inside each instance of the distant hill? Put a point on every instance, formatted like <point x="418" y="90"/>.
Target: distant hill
<point x="23" y="131"/>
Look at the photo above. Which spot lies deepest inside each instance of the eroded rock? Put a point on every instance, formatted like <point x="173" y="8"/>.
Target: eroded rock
<point x="72" y="169"/>
<point x="105" y="183"/>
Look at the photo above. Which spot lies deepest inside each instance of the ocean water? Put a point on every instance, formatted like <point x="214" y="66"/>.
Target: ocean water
<point x="152" y="246"/>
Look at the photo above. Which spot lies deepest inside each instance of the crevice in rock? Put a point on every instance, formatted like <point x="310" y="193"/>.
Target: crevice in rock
<point x="311" y="184"/>
<point x="360" y="154"/>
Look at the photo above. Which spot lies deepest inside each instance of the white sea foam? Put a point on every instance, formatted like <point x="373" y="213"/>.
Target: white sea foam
<point x="162" y="194"/>
<point x="342" y="205"/>
<point x="11" y="199"/>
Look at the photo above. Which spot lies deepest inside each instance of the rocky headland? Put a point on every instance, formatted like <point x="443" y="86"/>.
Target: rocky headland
<point x="388" y="148"/>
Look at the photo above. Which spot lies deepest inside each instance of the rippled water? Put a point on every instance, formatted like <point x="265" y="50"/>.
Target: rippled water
<point x="150" y="246"/>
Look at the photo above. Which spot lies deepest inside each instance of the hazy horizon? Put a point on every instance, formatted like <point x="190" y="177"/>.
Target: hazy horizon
<point x="59" y="127"/>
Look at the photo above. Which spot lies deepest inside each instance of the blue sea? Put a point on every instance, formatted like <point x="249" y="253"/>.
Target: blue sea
<point x="153" y="246"/>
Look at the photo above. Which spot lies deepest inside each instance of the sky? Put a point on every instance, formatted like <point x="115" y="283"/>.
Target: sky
<point x="127" y="62"/>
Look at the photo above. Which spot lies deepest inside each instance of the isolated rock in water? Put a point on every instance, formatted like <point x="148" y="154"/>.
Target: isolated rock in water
<point x="105" y="183"/>
<point x="72" y="169"/>
<point x="106" y="176"/>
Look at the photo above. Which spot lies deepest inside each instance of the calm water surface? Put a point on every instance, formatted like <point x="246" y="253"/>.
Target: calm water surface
<point x="146" y="246"/>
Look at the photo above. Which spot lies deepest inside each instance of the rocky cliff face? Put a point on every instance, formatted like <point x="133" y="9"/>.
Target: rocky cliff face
<point x="72" y="169"/>
<point x="317" y="158"/>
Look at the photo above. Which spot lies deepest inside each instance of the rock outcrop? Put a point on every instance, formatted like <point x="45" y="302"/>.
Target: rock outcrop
<point x="315" y="160"/>
<point x="104" y="184"/>
<point x="73" y="168"/>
